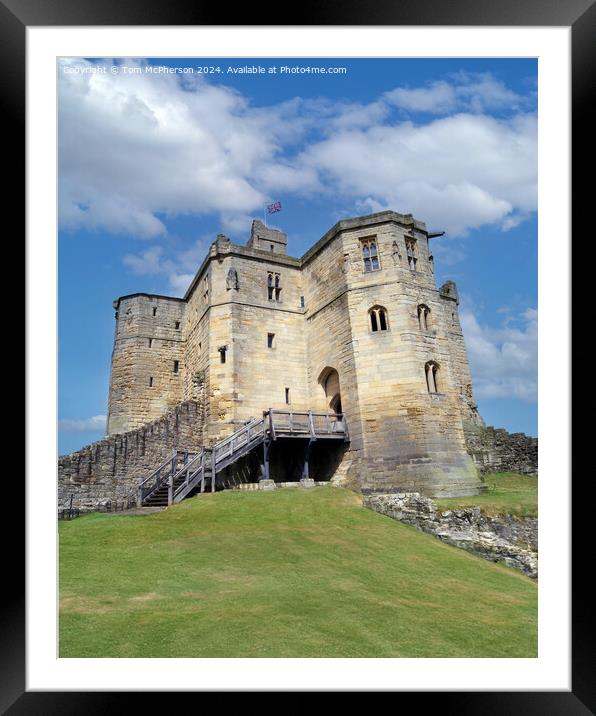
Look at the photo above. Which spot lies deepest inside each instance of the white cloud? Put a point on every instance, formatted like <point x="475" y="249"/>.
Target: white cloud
<point x="503" y="361"/>
<point x="148" y="262"/>
<point x="137" y="148"/>
<point x="470" y="92"/>
<point x="179" y="269"/>
<point x="97" y="424"/>
<point x="456" y="173"/>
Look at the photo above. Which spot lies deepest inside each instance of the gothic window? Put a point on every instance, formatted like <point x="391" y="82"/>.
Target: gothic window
<point x="424" y="317"/>
<point x="378" y="319"/>
<point x="431" y="263"/>
<point x="370" y="254"/>
<point x="411" y="253"/>
<point x="273" y="286"/>
<point x="432" y="376"/>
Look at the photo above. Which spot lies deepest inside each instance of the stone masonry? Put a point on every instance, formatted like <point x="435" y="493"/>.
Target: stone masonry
<point x="110" y="470"/>
<point x="356" y="325"/>
<point x="261" y="329"/>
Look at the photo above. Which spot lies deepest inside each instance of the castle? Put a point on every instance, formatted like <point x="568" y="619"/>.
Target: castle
<point x="356" y="328"/>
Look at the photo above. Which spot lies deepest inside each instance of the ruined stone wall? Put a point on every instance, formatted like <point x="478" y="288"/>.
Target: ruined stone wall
<point x="496" y="450"/>
<point x="502" y="538"/>
<point x="148" y="340"/>
<point x="111" y="469"/>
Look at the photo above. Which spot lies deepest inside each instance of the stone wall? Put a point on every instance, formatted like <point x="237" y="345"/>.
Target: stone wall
<point x="496" y="450"/>
<point x="504" y="539"/>
<point x="147" y="361"/>
<point x="111" y="469"/>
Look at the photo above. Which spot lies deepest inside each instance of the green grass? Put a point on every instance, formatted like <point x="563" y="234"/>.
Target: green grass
<point x="289" y="573"/>
<point x="508" y="493"/>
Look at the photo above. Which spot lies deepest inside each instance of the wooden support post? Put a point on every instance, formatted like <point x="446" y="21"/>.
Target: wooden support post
<point x="306" y="469"/>
<point x="213" y="470"/>
<point x="266" y="450"/>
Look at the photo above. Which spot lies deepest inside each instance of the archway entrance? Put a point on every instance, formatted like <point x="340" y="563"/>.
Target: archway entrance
<point x="329" y="381"/>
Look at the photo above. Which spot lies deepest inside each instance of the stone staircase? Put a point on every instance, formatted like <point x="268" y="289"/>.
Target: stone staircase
<point x="184" y="472"/>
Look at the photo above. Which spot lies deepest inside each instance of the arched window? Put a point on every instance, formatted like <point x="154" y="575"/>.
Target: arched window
<point x="378" y="319"/>
<point x="370" y="254"/>
<point x="424" y="317"/>
<point x="432" y="376"/>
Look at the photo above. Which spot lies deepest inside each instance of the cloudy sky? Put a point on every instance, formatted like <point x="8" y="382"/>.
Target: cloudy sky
<point x="153" y="165"/>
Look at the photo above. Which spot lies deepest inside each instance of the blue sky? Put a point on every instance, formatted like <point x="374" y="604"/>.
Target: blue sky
<point x="154" y="165"/>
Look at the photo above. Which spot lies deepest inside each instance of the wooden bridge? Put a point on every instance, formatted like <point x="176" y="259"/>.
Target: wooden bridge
<point x="185" y="472"/>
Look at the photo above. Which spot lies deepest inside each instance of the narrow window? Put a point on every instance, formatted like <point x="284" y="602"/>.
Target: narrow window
<point x="206" y="289"/>
<point x="270" y="337"/>
<point x="150" y="342"/>
<point x="270" y="286"/>
<point x="373" y="321"/>
<point x="378" y="319"/>
<point x="222" y="354"/>
<point x="277" y="288"/>
<point x="424" y="317"/>
<point x="411" y="253"/>
<point x="370" y="254"/>
<point x="176" y="366"/>
<point x="177" y="325"/>
<point x="287" y="396"/>
<point x="272" y="248"/>
<point x="200" y="345"/>
<point x="155" y="311"/>
<point x="432" y="379"/>
<point x="301" y="301"/>
<point x="151" y="382"/>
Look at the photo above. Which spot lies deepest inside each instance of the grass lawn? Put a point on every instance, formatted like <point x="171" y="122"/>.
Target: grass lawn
<point x="508" y="493"/>
<point x="288" y="573"/>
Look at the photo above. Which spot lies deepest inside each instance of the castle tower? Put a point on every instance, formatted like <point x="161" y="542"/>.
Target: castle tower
<point x="356" y="325"/>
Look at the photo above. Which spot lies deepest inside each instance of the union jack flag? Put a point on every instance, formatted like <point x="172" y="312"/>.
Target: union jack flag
<point x="272" y="208"/>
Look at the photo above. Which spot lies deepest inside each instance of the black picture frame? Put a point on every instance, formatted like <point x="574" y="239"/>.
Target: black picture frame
<point x="580" y="15"/>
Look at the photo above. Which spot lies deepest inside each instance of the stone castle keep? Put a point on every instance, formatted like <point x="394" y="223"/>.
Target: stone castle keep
<point x="356" y="328"/>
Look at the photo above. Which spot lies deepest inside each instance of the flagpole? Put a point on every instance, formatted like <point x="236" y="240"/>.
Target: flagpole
<point x="265" y="214"/>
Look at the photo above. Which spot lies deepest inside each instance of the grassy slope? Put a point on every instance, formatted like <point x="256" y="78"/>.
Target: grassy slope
<point x="508" y="493"/>
<point x="289" y="573"/>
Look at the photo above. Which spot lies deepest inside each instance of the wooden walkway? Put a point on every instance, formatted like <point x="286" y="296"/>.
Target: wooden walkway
<point x="185" y="472"/>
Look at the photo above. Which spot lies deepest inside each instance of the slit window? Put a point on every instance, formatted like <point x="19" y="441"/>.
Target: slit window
<point x="177" y="325"/>
<point x="154" y="311"/>
<point x="273" y="286"/>
<point x="370" y="254"/>
<point x="378" y="319"/>
<point x="150" y="342"/>
<point x="424" y="317"/>
<point x="411" y="253"/>
<point x="301" y="301"/>
<point x="222" y="353"/>
<point x="176" y="366"/>
<point x="287" y="396"/>
<point x="270" y="338"/>
<point x="151" y="382"/>
<point x="432" y="376"/>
